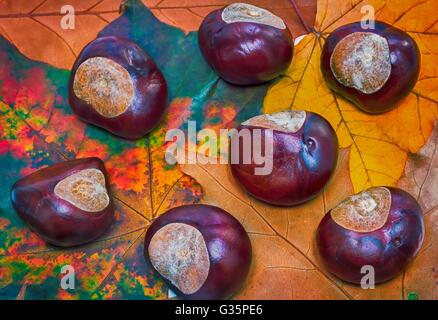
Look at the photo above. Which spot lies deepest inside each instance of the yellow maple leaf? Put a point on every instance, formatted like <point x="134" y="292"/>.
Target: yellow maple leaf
<point x="379" y="143"/>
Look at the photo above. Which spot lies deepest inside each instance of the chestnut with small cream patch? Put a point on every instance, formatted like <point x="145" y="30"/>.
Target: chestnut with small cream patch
<point x="285" y="121"/>
<point x="66" y="204"/>
<point x="302" y="156"/>
<point x="244" y="12"/>
<point x="179" y="253"/>
<point x="245" y="44"/>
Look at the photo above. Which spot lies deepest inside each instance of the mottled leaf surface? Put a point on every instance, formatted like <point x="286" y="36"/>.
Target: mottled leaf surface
<point x="37" y="128"/>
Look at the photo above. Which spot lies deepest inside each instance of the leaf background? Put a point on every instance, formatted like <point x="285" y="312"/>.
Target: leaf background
<point x="44" y="39"/>
<point x="37" y="128"/>
<point x="379" y="144"/>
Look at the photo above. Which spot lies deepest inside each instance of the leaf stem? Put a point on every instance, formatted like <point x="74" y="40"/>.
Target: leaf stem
<point x="300" y="16"/>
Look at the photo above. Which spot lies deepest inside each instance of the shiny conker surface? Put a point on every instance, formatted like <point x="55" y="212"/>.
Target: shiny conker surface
<point x="245" y="44"/>
<point x="115" y="85"/>
<point x="304" y="156"/>
<point x="201" y="251"/>
<point x="380" y="227"/>
<point x="373" y="68"/>
<point x="66" y="204"/>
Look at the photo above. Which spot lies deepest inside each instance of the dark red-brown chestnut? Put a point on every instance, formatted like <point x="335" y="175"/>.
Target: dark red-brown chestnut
<point x="380" y="227"/>
<point x="297" y="166"/>
<point x="245" y="44"/>
<point x="373" y="68"/>
<point x="201" y="251"/>
<point x="115" y="85"/>
<point x="66" y="204"/>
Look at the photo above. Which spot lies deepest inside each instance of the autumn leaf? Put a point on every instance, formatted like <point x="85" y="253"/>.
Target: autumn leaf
<point x="421" y="174"/>
<point x="421" y="180"/>
<point x="25" y="258"/>
<point x="375" y="151"/>
<point x="285" y="263"/>
<point x="47" y="41"/>
<point x="188" y="15"/>
<point x="38" y="128"/>
<point x="34" y="26"/>
<point x="379" y="144"/>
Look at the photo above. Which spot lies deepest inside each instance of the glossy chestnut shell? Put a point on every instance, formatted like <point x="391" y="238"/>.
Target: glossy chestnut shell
<point x="228" y="250"/>
<point x="303" y="159"/>
<point x="46" y="201"/>
<point x="244" y="52"/>
<point x="404" y="57"/>
<point x="122" y="75"/>
<point x="388" y="249"/>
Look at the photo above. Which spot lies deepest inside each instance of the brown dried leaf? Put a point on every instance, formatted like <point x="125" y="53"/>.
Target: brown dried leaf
<point x="188" y="14"/>
<point x="285" y="262"/>
<point x="421" y="174"/>
<point x="34" y="27"/>
<point x="421" y="180"/>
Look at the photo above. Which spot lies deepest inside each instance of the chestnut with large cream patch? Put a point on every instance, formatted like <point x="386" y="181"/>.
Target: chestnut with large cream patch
<point x="68" y="203"/>
<point x="364" y="212"/>
<point x="381" y="227"/>
<point x="105" y="85"/>
<point x="201" y="251"/>
<point x="179" y="253"/>
<point x="374" y="68"/>
<point x="362" y="60"/>
<point x="115" y="85"/>
<point x="85" y="189"/>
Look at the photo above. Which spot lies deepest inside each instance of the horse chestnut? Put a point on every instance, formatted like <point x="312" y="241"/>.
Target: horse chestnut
<point x="201" y="251"/>
<point x="380" y="227"/>
<point x="245" y="44"/>
<point x="302" y="157"/>
<point x="373" y="68"/>
<point x="67" y="204"/>
<point x="115" y="85"/>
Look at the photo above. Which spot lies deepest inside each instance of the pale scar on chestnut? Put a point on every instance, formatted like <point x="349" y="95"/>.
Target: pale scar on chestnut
<point x="85" y="190"/>
<point x="289" y="121"/>
<point x="364" y="212"/>
<point x="179" y="253"/>
<point x="105" y="85"/>
<point x="243" y="12"/>
<point x="362" y="60"/>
